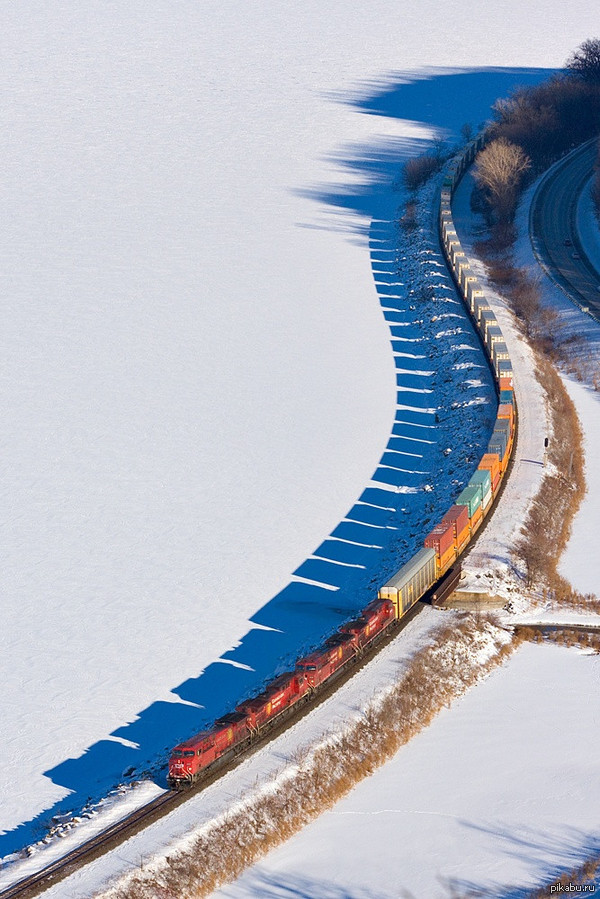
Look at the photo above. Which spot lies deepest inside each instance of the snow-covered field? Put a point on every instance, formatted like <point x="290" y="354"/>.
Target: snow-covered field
<point x="499" y="792"/>
<point x="199" y="244"/>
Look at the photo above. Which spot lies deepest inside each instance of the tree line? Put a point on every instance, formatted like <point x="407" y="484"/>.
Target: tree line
<point x="530" y="130"/>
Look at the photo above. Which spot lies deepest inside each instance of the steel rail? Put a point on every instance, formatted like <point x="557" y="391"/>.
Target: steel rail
<point x="139" y="819"/>
<point x="147" y="814"/>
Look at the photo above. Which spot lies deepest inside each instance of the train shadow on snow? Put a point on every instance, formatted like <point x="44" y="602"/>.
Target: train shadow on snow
<point x="415" y="480"/>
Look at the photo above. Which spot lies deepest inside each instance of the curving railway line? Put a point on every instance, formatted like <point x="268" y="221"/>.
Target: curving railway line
<point x="418" y="579"/>
<point x="162" y="805"/>
<point x="118" y="833"/>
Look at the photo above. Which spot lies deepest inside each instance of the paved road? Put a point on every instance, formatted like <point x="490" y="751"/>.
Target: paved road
<point x="554" y="233"/>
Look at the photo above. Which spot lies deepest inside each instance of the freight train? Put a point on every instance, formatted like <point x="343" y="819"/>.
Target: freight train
<point x="232" y="734"/>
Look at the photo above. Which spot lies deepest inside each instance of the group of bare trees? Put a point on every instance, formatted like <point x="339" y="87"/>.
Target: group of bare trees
<point x="535" y="126"/>
<point x="585" y="61"/>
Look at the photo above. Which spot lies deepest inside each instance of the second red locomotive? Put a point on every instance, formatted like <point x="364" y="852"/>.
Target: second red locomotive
<point x="232" y="733"/>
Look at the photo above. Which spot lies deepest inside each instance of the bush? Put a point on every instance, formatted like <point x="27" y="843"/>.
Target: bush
<point x="419" y="169"/>
<point x="499" y="173"/>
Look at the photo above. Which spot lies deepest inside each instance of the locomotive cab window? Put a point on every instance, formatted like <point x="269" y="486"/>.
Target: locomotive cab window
<point x="188" y="754"/>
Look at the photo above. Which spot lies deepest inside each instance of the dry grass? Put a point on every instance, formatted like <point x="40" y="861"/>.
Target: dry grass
<point x="224" y="849"/>
<point x="584" y="874"/>
<point x="548" y="526"/>
<point x="409" y="220"/>
<point x="565" y="636"/>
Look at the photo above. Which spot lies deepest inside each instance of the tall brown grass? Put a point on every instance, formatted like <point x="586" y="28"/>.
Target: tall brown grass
<point x="579" y="876"/>
<point x="584" y="874"/>
<point x="564" y="636"/>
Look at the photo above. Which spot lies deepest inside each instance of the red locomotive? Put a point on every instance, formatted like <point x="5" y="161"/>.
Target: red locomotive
<point x="234" y="732"/>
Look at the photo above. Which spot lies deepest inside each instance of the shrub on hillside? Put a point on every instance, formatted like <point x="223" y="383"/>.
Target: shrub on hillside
<point x="499" y="172"/>
<point x="419" y="169"/>
<point x="549" y="119"/>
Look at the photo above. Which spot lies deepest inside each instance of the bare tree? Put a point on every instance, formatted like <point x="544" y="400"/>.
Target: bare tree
<point x="585" y="61"/>
<point x="499" y="172"/>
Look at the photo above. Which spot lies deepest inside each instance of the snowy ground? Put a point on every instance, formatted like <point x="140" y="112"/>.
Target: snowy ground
<point x="500" y="791"/>
<point x="499" y="794"/>
<point x="199" y="382"/>
<point x="199" y="379"/>
<point x="489" y="565"/>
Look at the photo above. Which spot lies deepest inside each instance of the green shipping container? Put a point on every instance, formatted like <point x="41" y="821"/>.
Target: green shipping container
<point x="470" y="497"/>
<point x="482" y="478"/>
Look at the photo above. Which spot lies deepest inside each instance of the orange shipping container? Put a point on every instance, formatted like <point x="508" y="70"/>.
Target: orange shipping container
<point x="446" y="559"/>
<point x="506" y="383"/>
<point x="476" y="519"/>
<point x="463" y="536"/>
<point x="507" y="410"/>
<point x="491" y="461"/>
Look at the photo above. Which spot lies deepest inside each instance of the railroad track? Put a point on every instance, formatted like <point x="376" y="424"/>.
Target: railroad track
<point x="91" y="849"/>
<point x="162" y="805"/>
<point x="141" y="818"/>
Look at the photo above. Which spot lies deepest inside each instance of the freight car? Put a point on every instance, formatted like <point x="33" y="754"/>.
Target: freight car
<point x="434" y="564"/>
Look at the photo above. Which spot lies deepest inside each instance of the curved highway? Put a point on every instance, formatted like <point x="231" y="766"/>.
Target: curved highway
<point x="553" y="229"/>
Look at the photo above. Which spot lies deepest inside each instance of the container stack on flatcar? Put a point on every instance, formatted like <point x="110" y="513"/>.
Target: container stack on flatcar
<point x="433" y="570"/>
